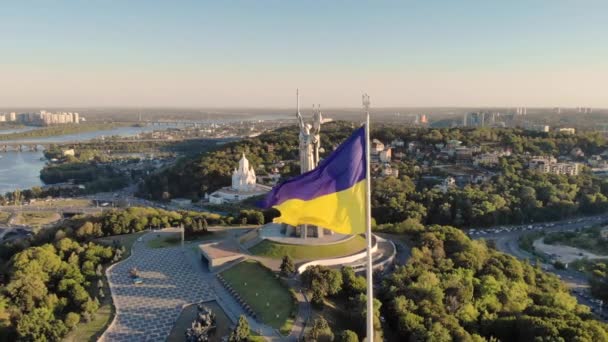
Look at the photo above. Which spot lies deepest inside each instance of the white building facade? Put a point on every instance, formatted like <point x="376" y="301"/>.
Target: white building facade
<point x="244" y="185"/>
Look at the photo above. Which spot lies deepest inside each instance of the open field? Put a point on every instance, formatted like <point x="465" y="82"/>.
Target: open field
<point x="264" y="292"/>
<point x="563" y="253"/>
<point x="589" y="239"/>
<point x="277" y="250"/>
<point x="36" y="218"/>
<point x="64" y="202"/>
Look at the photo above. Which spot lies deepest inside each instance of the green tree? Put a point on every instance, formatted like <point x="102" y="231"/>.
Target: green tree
<point x="321" y="281"/>
<point x="40" y="325"/>
<point x="72" y="319"/>
<point x="347" y="336"/>
<point x="241" y="331"/>
<point x="320" y="331"/>
<point x="287" y="266"/>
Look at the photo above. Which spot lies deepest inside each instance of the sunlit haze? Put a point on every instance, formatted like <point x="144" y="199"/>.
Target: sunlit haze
<point x="255" y="53"/>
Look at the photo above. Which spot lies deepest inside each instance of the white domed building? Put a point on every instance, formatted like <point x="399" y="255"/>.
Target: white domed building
<point x="244" y="185"/>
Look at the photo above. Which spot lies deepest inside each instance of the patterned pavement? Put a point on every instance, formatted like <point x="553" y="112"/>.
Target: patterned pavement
<point x="147" y="312"/>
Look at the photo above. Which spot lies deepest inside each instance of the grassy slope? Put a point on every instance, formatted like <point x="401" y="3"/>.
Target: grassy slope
<point x="259" y="286"/>
<point x="90" y="331"/>
<point x="174" y="240"/>
<point x="299" y="252"/>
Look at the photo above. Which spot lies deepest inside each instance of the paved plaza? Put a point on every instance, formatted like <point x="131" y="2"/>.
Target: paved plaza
<point x="147" y="312"/>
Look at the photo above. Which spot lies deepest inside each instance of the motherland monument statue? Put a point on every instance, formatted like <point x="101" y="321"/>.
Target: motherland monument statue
<point x="310" y="142"/>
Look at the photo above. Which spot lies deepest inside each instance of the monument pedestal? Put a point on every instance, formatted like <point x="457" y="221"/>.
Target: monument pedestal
<point x="289" y="230"/>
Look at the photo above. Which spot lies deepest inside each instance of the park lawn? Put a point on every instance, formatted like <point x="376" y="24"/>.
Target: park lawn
<point x="37" y="218"/>
<point x="164" y="241"/>
<point x="174" y="239"/>
<point x="4" y="217"/>
<point x="91" y="331"/>
<point x="337" y="315"/>
<point x="126" y="240"/>
<point x="277" y="250"/>
<point x="264" y="292"/>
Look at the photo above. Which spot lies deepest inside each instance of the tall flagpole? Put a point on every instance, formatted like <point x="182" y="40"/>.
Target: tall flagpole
<point x="368" y="228"/>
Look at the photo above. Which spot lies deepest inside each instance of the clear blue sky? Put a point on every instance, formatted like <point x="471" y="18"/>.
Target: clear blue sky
<point x="256" y="52"/>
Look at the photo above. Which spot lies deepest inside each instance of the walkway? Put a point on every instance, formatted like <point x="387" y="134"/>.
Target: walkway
<point x="304" y="311"/>
<point x="147" y="312"/>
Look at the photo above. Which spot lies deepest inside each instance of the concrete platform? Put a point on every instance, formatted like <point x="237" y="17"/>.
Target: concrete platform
<point x="219" y="253"/>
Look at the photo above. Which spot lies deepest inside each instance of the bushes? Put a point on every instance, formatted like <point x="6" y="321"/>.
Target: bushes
<point x="137" y="219"/>
<point x="251" y="217"/>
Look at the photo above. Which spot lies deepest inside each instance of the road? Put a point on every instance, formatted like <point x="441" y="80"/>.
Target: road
<point x="506" y="240"/>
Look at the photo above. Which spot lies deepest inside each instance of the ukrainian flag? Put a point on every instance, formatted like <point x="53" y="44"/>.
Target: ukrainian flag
<point x="332" y="195"/>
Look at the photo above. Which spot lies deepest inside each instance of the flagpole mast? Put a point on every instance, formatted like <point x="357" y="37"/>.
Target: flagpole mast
<point x="368" y="228"/>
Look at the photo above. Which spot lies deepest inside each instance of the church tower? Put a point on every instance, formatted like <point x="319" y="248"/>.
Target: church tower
<point x="244" y="178"/>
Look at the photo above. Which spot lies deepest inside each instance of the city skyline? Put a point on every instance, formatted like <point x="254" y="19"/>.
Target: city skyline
<point x="246" y="54"/>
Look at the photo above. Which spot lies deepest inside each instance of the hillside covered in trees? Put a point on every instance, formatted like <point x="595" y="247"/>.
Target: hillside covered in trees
<point x="192" y="177"/>
<point x="456" y="289"/>
<point x="513" y="195"/>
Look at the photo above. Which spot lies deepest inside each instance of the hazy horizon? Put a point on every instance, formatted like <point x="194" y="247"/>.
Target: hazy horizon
<point x="243" y="54"/>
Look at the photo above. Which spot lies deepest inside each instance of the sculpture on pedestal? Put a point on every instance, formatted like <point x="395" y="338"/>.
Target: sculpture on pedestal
<point x="203" y="326"/>
<point x="310" y="142"/>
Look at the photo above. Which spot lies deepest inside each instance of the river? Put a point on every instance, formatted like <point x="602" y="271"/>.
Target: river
<point x="21" y="170"/>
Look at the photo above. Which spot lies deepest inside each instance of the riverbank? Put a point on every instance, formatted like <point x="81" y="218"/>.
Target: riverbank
<point x="21" y="170"/>
<point x="7" y="127"/>
<point x="51" y="131"/>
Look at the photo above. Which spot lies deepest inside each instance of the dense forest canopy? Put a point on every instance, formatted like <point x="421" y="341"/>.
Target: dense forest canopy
<point x="456" y="289"/>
